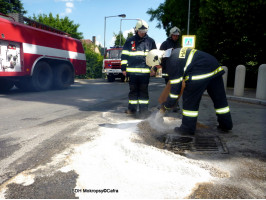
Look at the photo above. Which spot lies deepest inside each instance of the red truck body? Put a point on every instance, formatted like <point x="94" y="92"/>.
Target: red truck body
<point x="33" y="58"/>
<point x="112" y="64"/>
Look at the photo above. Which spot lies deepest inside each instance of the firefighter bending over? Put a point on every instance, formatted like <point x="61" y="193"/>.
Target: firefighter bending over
<point x="200" y="71"/>
<point x="134" y="65"/>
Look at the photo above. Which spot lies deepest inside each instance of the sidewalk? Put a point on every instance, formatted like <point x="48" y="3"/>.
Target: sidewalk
<point x="249" y="96"/>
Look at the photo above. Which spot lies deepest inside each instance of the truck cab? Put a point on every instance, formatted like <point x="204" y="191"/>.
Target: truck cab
<point x="112" y="64"/>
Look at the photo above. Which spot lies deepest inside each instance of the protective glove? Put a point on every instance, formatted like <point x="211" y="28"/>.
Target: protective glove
<point x="162" y="109"/>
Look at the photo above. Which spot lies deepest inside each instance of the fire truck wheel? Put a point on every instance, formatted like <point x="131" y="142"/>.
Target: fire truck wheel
<point x="63" y="77"/>
<point x="42" y="77"/>
<point x="6" y="85"/>
<point x="111" y="78"/>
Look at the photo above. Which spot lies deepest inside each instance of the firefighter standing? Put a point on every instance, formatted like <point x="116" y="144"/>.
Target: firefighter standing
<point x="200" y="71"/>
<point x="133" y="65"/>
<point x="172" y="42"/>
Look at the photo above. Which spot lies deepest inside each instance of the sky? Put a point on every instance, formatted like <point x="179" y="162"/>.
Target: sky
<point x="90" y="15"/>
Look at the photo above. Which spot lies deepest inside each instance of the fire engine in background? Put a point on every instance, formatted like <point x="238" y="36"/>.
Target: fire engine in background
<point x="37" y="57"/>
<point x="112" y="64"/>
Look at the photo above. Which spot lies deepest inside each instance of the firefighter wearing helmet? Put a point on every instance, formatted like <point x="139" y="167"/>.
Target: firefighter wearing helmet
<point x="133" y="64"/>
<point x="172" y="42"/>
<point x="200" y="71"/>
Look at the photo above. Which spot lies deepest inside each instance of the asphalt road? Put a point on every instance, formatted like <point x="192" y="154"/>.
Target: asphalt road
<point x="37" y="127"/>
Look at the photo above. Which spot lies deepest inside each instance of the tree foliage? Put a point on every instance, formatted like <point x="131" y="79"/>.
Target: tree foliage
<point x="123" y="39"/>
<point x="175" y="13"/>
<point x="232" y="30"/>
<point x="119" y="39"/>
<point x="93" y="62"/>
<point x="11" y="6"/>
<point x="63" y="24"/>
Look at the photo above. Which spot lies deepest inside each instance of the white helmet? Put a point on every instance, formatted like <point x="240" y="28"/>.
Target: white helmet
<point x="174" y="31"/>
<point x="154" y="57"/>
<point x="142" y="26"/>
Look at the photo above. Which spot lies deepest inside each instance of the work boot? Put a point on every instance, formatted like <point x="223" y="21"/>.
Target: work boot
<point x="130" y="112"/>
<point x="183" y="132"/>
<point x="222" y="129"/>
<point x="144" y="114"/>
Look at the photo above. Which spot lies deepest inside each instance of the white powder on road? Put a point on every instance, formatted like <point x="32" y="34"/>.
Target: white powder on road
<point x="113" y="161"/>
<point x="117" y="160"/>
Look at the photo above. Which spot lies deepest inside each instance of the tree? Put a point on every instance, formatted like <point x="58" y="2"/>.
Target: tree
<point x="93" y="62"/>
<point x="11" y="6"/>
<point x="119" y="39"/>
<point x="175" y="13"/>
<point x="63" y="24"/>
<point x="123" y="40"/>
<point x="237" y="33"/>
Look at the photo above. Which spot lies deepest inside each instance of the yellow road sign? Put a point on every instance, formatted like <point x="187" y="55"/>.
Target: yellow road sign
<point x="189" y="41"/>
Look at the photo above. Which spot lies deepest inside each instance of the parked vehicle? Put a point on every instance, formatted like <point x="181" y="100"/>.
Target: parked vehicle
<point x="36" y="57"/>
<point x="112" y="64"/>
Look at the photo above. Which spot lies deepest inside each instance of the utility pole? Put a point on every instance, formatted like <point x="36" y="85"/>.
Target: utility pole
<point x="188" y="17"/>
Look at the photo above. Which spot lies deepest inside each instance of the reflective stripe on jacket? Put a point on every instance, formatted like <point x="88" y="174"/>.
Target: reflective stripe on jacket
<point x="134" y="53"/>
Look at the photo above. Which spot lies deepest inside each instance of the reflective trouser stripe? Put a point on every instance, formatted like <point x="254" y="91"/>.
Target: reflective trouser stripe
<point x="222" y="110"/>
<point x="143" y="101"/>
<point x="189" y="113"/>
<point x="164" y="74"/>
<point x="133" y="101"/>
<point x="138" y="101"/>
<point x="173" y="96"/>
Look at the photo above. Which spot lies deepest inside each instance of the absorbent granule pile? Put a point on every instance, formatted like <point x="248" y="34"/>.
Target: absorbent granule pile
<point x="136" y="170"/>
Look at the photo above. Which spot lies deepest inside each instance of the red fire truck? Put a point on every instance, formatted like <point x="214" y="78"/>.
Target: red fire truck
<point x="36" y="57"/>
<point x="112" y="64"/>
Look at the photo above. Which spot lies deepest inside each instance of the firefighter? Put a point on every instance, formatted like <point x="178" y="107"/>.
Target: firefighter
<point x="133" y="65"/>
<point x="172" y="42"/>
<point x="200" y="71"/>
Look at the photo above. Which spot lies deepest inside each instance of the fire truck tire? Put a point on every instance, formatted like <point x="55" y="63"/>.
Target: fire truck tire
<point x="42" y="77"/>
<point x="63" y="77"/>
<point x="111" y="78"/>
<point x="6" y="85"/>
